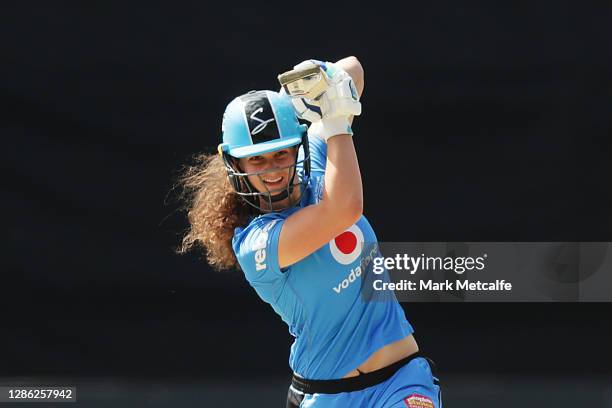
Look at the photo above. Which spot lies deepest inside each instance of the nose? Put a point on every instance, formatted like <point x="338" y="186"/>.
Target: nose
<point x="272" y="165"/>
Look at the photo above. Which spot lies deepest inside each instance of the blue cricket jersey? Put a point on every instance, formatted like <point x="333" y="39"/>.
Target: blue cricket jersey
<point x="320" y="298"/>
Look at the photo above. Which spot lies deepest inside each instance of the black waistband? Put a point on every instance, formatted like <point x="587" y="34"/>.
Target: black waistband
<point x="352" y="383"/>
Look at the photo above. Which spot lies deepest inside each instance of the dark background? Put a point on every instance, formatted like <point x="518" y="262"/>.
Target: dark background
<point x="481" y="122"/>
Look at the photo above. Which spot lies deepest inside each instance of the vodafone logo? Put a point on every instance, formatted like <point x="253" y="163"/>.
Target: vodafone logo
<point x="352" y="242"/>
<point x="346" y="247"/>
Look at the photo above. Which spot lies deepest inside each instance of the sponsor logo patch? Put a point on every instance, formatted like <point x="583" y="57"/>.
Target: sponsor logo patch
<point x="259" y="246"/>
<point x="346" y="247"/>
<point x="418" y="401"/>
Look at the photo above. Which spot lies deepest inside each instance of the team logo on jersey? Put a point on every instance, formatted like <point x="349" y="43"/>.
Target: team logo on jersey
<point x="347" y="247"/>
<point x="418" y="401"/>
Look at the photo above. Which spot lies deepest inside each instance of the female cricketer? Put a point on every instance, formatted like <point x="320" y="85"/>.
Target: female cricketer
<point x="283" y="202"/>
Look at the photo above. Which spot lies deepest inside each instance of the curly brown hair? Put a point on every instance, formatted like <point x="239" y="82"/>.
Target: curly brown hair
<point x="214" y="210"/>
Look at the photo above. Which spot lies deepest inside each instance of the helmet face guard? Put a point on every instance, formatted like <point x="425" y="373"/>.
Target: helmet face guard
<point x="261" y="122"/>
<point x="263" y="200"/>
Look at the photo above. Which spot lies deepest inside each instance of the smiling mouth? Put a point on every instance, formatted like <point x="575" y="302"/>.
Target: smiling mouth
<point x="273" y="181"/>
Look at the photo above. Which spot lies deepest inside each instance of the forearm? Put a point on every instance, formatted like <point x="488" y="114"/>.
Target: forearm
<point x="343" y="187"/>
<point x="343" y="192"/>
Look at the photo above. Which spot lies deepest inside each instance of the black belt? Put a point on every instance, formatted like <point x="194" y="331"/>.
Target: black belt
<point x="352" y="383"/>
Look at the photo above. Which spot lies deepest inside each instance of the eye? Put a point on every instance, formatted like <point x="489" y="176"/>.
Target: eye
<point x="255" y="159"/>
<point x="282" y="153"/>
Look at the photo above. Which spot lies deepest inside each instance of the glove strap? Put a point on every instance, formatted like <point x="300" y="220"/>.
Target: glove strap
<point x="329" y="127"/>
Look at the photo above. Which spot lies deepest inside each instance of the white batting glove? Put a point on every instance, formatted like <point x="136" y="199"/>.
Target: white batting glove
<point x="340" y="98"/>
<point x="330" y="111"/>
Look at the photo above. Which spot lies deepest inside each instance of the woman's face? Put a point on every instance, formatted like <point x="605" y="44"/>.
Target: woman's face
<point x="278" y="168"/>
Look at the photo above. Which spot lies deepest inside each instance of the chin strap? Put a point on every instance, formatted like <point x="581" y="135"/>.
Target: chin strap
<point x="280" y="196"/>
<point x="284" y="194"/>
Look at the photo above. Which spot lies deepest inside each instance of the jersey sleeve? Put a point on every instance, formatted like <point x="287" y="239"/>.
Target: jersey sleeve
<point x="256" y="248"/>
<point x="318" y="154"/>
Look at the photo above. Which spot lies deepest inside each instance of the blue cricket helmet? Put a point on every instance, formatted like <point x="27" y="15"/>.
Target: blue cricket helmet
<point x="260" y="122"/>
